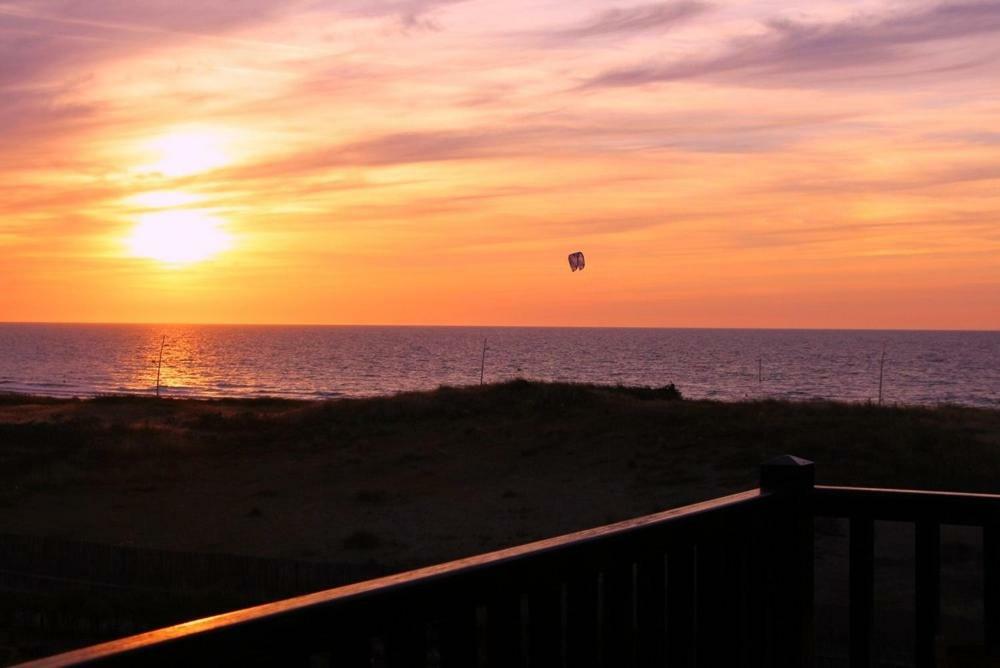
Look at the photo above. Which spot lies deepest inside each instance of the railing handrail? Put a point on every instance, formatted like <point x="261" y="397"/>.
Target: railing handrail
<point x="400" y="583"/>
<point x="906" y="490"/>
<point x="959" y="508"/>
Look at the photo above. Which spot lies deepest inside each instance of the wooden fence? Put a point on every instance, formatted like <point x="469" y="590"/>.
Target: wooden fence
<point x="719" y="583"/>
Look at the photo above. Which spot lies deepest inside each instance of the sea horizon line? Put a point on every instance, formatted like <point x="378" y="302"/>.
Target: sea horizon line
<point x="491" y="326"/>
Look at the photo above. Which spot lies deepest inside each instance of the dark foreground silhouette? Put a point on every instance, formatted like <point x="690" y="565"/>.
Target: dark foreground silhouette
<point x="370" y="486"/>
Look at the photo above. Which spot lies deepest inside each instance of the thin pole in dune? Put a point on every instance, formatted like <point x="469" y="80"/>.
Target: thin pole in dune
<point x="159" y="363"/>
<point x="760" y="369"/>
<point x="482" y="364"/>
<point x="881" y="367"/>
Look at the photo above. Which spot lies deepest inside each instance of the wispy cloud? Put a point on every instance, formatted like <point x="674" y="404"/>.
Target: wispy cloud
<point x="791" y="51"/>
<point x="973" y="137"/>
<point x="45" y="38"/>
<point x="143" y="16"/>
<point x="623" y="21"/>
<point x="565" y="135"/>
<point x="409" y="13"/>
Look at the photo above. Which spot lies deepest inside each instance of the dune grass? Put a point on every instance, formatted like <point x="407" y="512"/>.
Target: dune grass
<point x="946" y="446"/>
<point x="702" y="447"/>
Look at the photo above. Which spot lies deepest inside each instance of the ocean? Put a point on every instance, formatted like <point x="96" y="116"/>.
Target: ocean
<point x="351" y="361"/>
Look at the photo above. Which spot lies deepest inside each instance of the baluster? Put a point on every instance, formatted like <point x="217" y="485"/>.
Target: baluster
<point x="651" y="600"/>
<point x="681" y="606"/>
<point x="755" y="604"/>
<point x="617" y="617"/>
<point x="352" y="650"/>
<point x="710" y="625"/>
<point x="582" y="635"/>
<point x="406" y="644"/>
<point x="862" y="589"/>
<point x="458" y="637"/>
<point x="545" y="627"/>
<point x="504" y="632"/>
<point x="928" y="591"/>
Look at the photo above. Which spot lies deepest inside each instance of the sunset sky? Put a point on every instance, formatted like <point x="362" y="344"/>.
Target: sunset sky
<point x="727" y="163"/>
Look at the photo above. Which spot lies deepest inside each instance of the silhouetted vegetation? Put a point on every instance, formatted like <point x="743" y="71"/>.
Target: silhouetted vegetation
<point x="854" y="443"/>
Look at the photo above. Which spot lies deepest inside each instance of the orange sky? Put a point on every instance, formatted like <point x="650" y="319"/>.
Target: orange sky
<point x="720" y="163"/>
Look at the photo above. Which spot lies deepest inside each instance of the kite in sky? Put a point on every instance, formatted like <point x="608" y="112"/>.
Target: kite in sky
<point x="576" y="261"/>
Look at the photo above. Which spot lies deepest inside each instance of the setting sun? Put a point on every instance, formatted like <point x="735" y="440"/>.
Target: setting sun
<point x="178" y="237"/>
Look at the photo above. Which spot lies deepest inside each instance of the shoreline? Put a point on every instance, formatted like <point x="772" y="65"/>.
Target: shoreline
<point x="920" y="368"/>
<point x="13" y="396"/>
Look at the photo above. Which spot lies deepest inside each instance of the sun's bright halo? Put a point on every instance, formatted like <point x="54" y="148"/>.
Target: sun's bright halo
<point x="178" y="237"/>
<point x="161" y="199"/>
<point x="186" y="152"/>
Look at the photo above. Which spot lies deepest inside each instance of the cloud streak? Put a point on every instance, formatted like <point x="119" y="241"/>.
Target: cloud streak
<point x="793" y="51"/>
<point x="624" y="21"/>
<point x="409" y="13"/>
<point x="49" y="39"/>
<point x="142" y="16"/>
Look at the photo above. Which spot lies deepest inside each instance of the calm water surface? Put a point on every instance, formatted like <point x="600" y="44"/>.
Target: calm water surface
<point x="320" y="362"/>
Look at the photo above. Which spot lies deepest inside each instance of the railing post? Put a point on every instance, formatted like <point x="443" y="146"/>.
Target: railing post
<point x="790" y="560"/>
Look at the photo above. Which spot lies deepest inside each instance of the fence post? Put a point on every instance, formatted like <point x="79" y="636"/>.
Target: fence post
<point x="788" y="556"/>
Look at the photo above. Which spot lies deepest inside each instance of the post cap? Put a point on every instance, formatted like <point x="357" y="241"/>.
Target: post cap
<point x="787" y="473"/>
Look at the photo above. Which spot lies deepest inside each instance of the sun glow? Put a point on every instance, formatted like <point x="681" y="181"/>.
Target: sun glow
<point x="186" y="152"/>
<point x="162" y="199"/>
<point x="178" y="237"/>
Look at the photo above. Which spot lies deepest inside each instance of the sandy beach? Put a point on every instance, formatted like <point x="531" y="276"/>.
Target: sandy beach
<point x="424" y="477"/>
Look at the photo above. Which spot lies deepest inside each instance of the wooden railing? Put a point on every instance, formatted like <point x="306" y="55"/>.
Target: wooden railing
<point x="719" y="583"/>
<point x="928" y="511"/>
